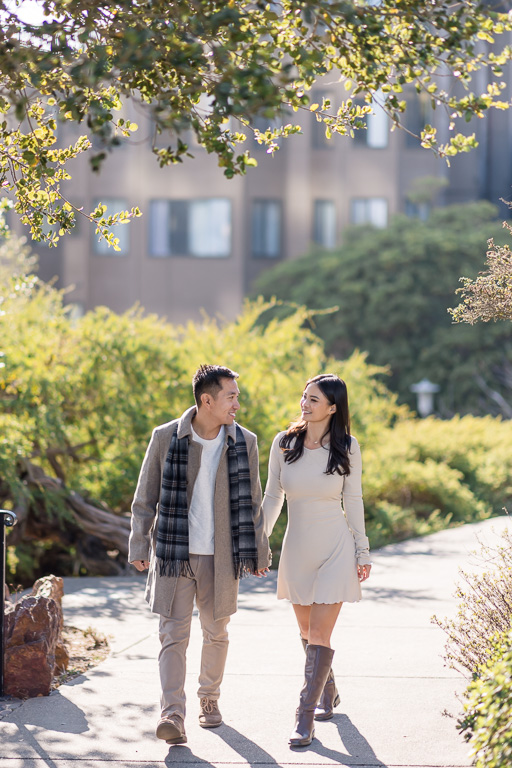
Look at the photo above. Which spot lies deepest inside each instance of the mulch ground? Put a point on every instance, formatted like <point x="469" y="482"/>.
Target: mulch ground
<point x="86" y="649"/>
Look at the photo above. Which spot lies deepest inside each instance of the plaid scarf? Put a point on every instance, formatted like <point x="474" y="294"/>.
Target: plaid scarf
<point x="172" y="532"/>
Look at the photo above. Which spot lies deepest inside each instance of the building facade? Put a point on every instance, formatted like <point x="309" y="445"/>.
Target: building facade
<point x="203" y="239"/>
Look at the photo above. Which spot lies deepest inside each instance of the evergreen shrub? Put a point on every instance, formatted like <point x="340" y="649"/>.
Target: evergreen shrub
<point x="480" y="646"/>
<point x="487" y="723"/>
<point x="423" y="475"/>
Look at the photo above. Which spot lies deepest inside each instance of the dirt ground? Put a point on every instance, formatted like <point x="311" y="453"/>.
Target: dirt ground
<point x="86" y="649"/>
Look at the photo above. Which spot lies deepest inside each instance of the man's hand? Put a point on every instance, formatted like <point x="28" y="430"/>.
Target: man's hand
<point x="141" y="565"/>
<point x="261" y="572"/>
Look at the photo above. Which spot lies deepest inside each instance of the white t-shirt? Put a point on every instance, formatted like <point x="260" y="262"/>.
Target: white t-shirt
<point x="200" y="515"/>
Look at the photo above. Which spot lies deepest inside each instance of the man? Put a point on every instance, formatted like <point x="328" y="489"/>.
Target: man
<point x="197" y="526"/>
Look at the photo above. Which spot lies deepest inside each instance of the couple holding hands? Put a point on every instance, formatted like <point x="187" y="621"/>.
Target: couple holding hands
<point x="199" y="525"/>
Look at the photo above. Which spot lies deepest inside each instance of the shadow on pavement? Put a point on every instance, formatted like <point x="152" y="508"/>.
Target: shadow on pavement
<point x="183" y="755"/>
<point x="66" y="717"/>
<point x="247" y="749"/>
<point x="383" y="593"/>
<point x="412" y="548"/>
<point x="43" y="755"/>
<point x="358" y="750"/>
<point x="264" y="586"/>
<point x="74" y="584"/>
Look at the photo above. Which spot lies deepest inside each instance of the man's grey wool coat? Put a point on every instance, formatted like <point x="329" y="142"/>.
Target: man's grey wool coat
<point x="142" y="546"/>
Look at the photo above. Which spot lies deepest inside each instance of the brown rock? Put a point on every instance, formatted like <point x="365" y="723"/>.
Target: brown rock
<point x="28" y="670"/>
<point x="32" y="633"/>
<point x="61" y="657"/>
<point x="49" y="586"/>
<point x="52" y="587"/>
<point x="34" y="618"/>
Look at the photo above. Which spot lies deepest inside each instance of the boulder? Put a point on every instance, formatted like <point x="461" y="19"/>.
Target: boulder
<point x="28" y="670"/>
<point x="49" y="586"/>
<point x="34" y="650"/>
<point x="61" y="657"/>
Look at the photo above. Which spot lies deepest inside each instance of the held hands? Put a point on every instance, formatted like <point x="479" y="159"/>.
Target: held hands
<point x="261" y="572"/>
<point x="363" y="572"/>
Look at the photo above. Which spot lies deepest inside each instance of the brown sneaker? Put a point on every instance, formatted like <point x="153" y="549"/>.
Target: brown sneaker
<point x="171" y="729"/>
<point x="210" y="716"/>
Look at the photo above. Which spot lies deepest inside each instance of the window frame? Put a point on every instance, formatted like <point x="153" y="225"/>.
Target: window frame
<point x="367" y="219"/>
<point x="317" y="204"/>
<point x="187" y="252"/>
<point x="262" y="255"/>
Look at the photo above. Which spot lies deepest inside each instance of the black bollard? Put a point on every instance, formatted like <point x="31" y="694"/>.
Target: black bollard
<point x="7" y="519"/>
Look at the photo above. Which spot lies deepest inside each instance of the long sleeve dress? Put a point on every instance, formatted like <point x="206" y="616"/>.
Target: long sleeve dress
<point x="324" y="541"/>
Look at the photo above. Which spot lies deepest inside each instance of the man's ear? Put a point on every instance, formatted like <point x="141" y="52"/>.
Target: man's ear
<point x="206" y="399"/>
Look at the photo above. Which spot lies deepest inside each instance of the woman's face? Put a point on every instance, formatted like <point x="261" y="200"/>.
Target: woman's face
<point x="314" y="405"/>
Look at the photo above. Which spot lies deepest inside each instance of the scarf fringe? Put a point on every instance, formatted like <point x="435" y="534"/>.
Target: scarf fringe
<point x="246" y="567"/>
<point x="175" y="568"/>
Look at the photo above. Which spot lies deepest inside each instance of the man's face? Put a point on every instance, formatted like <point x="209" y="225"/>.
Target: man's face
<point x="225" y="405"/>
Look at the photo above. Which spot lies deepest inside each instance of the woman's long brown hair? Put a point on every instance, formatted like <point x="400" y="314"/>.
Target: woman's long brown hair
<point x="292" y="443"/>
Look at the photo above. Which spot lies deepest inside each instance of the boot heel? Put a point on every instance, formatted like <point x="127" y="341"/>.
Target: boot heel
<point x="336" y="701"/>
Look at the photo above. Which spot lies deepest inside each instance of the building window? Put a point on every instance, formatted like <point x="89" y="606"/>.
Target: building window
<point x="417" y="210"/>
<point x="417" y="115"/>
<point x="377" y="130"/>
<point x="370" y="210"/>
<point x="376" y="134"/>
<point x="266" y="229"/>
<point x="324" y="223"/>
<point x="121" y="231"/>
<point x="164" y="138"/>
<point x="198" y="228"/>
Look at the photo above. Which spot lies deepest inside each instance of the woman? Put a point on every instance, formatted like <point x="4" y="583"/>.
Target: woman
<point x="325" y="556"/>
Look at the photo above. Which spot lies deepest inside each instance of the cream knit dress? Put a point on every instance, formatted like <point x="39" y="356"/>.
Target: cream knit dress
<point x="323" y="541"/>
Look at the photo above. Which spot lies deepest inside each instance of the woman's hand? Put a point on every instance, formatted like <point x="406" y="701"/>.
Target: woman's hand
<point x="141" y="565"/>
<point x="363" y="572"/>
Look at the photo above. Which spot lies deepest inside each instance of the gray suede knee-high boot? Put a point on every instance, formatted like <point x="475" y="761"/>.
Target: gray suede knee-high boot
<point x="329" y="698"/>
<point x="316" y="671"/>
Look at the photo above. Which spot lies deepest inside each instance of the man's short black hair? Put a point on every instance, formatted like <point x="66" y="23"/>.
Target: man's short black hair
<point x="207" y="378"/>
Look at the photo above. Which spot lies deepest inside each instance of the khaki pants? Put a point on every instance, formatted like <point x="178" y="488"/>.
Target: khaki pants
<point x="175" y="635"/>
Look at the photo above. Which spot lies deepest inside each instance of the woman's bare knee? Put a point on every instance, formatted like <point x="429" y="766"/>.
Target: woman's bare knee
<point x="320" y="638"/>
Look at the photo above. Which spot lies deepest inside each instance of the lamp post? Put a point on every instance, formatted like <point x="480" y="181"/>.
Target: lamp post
<point x="425" y="391"/>
<point x="7" y="519"/>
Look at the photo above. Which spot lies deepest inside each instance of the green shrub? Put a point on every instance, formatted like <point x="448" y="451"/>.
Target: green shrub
<point x="480" y="645"/>
<point x="423" y="475"/>
<point x="487" y="723"/>
<point x="479" y="448"/>
<point x="391" y="289"/>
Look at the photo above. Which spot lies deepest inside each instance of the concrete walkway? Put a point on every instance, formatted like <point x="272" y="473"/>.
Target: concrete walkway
<point x="394" y="687"/>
